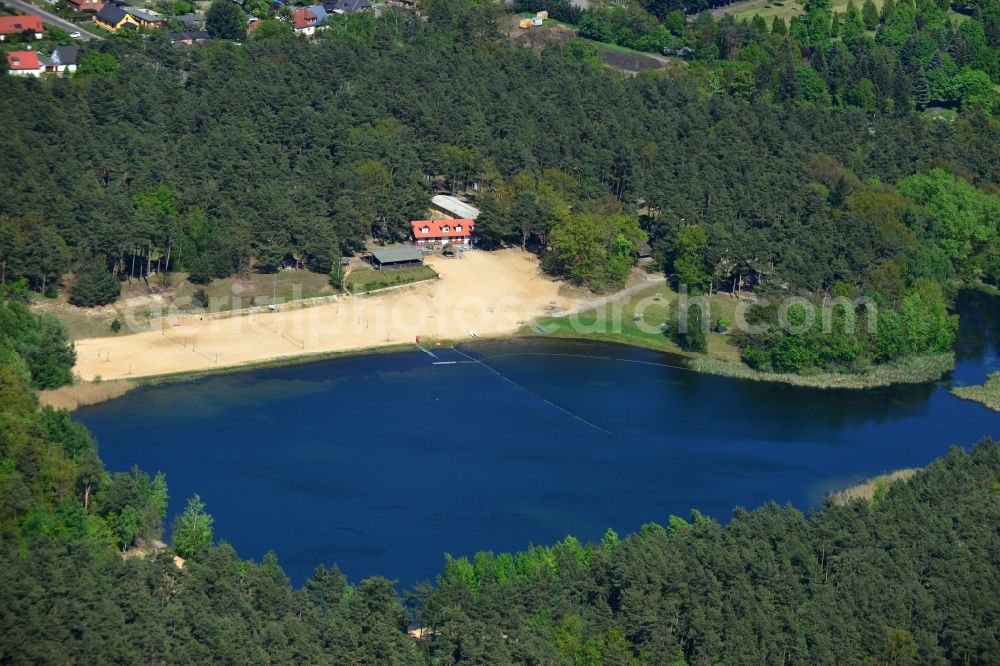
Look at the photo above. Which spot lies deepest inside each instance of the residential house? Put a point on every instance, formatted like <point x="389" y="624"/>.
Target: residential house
<point x="115" y="18"/>
<point x="320" y="13"/>
<point x="24" y="63"/>
<point x="63" y="59"/>
<point x="92" y="6"/>
<point x="304" y="22"/>
<point x="345" y="6"/>
<point x="189" y="38"/>
<point x="146" y="18"/>
<point x="430" y="232"/>
<point x="190" y="22"/>
<point x="18" y="25"/>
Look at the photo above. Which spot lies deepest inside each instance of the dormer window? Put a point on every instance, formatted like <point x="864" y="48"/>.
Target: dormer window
<point x="458" y="227"/>
<point x="425" y="230"/>
<point x="446" y="228"/>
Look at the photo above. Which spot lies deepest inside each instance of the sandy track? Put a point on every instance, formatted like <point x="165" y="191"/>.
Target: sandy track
<point x="490" y="293"/>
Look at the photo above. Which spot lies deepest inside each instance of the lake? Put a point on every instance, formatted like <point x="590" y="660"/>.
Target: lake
<point x="383" y="463"/>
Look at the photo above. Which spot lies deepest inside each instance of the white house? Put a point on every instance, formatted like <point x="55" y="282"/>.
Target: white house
<point x="24" y="63"/>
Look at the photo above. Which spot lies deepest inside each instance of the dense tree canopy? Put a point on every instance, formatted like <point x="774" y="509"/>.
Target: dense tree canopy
<point x="908" y="577"/>
<point x="37" y="349"/>
<point x="792" y="164"/>
<point x="206" y="159"/>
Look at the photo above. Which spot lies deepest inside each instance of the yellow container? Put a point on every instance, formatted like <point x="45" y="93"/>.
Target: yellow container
<point x="525" y="23"/>
<point x="542" y="15"/>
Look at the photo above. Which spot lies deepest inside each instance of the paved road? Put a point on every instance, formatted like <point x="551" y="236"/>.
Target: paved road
<point x="51" y="18"/>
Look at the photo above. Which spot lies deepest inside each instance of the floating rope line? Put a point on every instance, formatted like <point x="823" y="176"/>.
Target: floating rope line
<point x="599" y="358"/>
<point x="537" y="395"/>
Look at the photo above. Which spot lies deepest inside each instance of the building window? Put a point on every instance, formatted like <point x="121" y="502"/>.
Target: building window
<point x="458" y="227"/>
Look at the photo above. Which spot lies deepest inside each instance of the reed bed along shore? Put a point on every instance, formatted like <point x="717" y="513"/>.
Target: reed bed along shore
<point x="83" y="394"/>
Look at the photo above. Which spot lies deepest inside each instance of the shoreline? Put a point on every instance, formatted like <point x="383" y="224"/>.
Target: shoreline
<point x="915" y="370"/>
<point x="687" y="361"/>
<point x="873" y="489"/>
<point x="986" y="394"/>
<point x="190" y="375"/>
<point x="722" y="358"/>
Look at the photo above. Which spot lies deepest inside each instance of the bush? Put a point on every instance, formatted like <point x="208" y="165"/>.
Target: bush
<point x="200" y="298"/>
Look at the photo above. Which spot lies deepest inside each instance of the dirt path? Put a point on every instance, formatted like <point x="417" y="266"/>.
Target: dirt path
<point x="486" y="293"/>
<point x="600" y="302"/>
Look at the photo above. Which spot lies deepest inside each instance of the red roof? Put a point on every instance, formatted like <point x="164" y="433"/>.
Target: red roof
<point x="303" y="18"/>
<point x="21" y="60"/>
<point x="442" y="228"/>
<point x="13" y="25"/>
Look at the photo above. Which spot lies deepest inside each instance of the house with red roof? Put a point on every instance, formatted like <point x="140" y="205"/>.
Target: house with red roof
<point x="24" y="63"/>
<point x="16" y="25"/>
<point x="442" y="232"/>
<point x="304" y="21"/>
<point x="93" y="6"/>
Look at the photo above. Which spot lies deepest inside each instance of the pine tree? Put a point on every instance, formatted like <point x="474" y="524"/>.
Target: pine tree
<point x="94" y="286"/>
<point x="853" y="25"/>
<point x="778" y="26"/>
<point x="691" y="336"/>
<point x="888" y="7"/>
<point x="869" y="15"/>
<point x="921" y="89"/>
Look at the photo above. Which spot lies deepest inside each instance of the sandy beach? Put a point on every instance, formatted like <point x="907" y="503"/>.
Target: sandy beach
<point x="486" y="293"/>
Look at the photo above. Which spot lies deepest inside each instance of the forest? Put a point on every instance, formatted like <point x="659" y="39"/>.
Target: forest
<point x="794" y="162"/>
<point x="908" y="577"/>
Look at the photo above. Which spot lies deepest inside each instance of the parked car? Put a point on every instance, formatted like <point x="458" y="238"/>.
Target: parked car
<point x="75" y="34"/>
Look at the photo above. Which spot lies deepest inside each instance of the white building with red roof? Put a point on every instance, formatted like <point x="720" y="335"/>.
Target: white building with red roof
<point x="24" y="63"/>
<point x="442" y="232"/>
<point x="304" y="21"/>
<point x="16" y="25"/>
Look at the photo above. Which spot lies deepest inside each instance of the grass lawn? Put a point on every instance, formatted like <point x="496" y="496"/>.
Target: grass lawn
<point x="786" y="9"/>
<point x="257" y="288"/>
<point x="96" y="29"/>
<point x="722" y="356"/>
<point x="605" y="46"/>
<point x="367" y="279"/>
<point x="644" y="332"/>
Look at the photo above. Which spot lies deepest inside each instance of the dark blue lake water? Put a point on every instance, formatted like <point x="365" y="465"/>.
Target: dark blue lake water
<point x="383" y="463"/>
